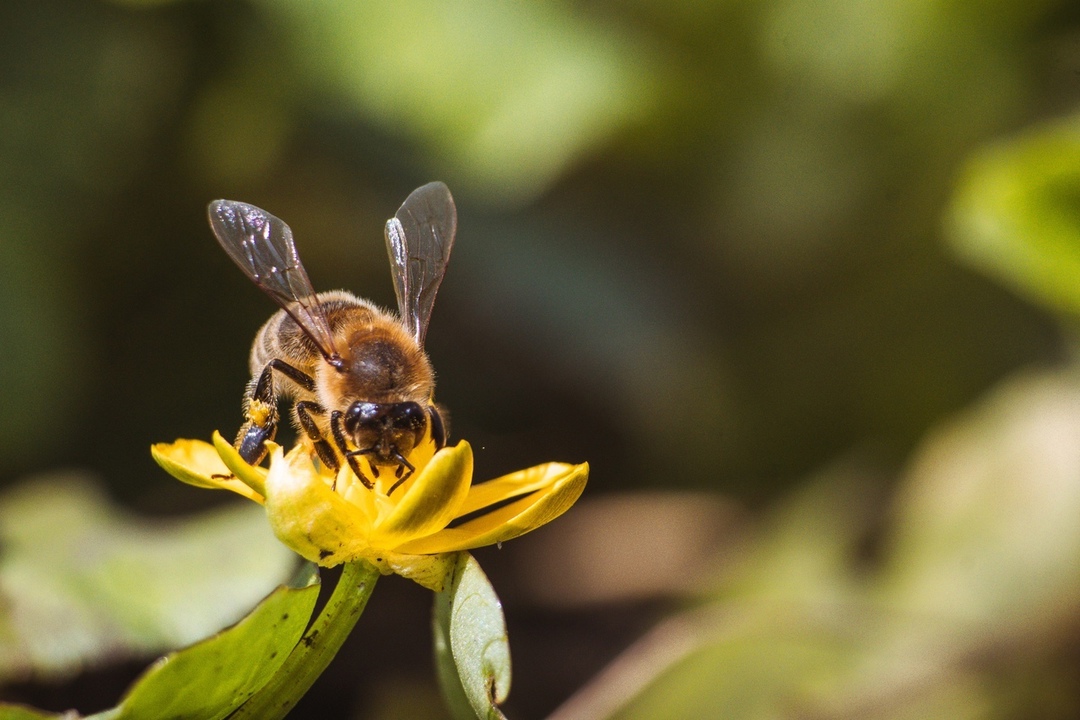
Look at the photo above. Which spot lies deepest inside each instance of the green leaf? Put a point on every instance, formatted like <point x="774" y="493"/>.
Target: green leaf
<point x="81" y="580"/>
<point x="320" y="644"/>
<point x="212" y="678"/>
<point x="1016" y="214"/>
<point x="472" y="652"/>
<point x="20" y="712"/>
<point x="445" y="667"/>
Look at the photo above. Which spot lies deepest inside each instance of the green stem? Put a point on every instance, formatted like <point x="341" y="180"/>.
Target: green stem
<point x="317" y="648"/>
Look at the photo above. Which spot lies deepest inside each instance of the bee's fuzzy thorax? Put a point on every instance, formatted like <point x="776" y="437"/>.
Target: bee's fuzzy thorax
<point x="381" y="363"/>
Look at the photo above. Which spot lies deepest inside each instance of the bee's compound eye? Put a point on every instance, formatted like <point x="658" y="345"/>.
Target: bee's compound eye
<point x="409" y="416"/>
<point x="362" y="413"/>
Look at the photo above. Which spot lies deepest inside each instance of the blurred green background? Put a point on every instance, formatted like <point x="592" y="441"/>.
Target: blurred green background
<point x="710" y="247"/>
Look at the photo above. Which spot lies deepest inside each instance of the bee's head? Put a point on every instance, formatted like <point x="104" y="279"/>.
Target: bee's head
<point x="385" y="429"/>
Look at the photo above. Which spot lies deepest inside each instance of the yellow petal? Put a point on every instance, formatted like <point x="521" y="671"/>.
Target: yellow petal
<point x="431" y="502"/>
<point x="508" y="522"/>
<point x="308" y="516"/>
<point x="197" y="463"/>
<point x="516" y="484"/>
<point x="253" y="477"/>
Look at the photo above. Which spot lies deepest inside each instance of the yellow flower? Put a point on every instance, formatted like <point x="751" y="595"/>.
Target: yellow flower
<point x="332" y="519"/>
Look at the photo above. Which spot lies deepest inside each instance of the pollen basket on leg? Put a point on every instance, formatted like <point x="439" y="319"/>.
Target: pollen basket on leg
<point x="259" y="412"/>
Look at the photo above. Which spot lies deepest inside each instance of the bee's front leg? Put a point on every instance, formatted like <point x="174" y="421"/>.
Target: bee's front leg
<point x="404" y="471"/>
<point x="349" y="455"/>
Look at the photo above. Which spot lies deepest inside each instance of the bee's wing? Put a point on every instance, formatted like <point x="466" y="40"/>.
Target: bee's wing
<point x="419" y="239"/>
<point x="263" y="247"/>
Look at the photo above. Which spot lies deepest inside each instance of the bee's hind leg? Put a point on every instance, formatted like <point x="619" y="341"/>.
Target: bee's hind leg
<point x="251" y="441"/>
<point x="260" y="409"/>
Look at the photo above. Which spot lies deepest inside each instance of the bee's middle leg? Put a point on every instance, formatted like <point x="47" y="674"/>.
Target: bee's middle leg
<point x="304" y="411"/>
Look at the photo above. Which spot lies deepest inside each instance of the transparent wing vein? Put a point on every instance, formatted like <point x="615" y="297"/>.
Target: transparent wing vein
<point x="419" y="239"/>
<point x="262" y="246"/>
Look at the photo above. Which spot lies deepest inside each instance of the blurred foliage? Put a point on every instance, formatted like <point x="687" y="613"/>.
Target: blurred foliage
<point x="17" y="712"/>
<point x="550" y="85"/>
<point x="211" y="678"/>
<point x="961" y="616"/>
<point x="1017" y="214"/>
<point x="701" y="245"/>
<point x="697" y="240"/>
<point x="82" y="582"/>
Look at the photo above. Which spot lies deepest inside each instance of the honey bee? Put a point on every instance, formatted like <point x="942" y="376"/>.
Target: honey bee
<point x="361" y="384"/>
